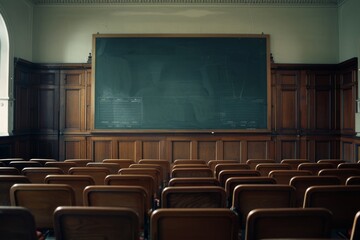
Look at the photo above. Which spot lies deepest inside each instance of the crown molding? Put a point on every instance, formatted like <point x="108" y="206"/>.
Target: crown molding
<point x="324" y="3"/>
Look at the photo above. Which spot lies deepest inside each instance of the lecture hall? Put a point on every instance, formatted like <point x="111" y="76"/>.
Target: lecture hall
<point x="179" y="119"/>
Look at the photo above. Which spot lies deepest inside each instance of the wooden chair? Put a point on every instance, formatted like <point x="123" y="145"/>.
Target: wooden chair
<point x="209" y="181"/>
<point x="355" y="230"/>
<point x="155" y="173"/>
<point x="111" y="223"/>
<point x="17" y="223"/>
<point x="191" y="172"/>
<point x="212" y="163"/>
<point x="342" y="174"/>
<point x="6" y="161"/>
<point x="124" y="163"/>
<point x="6" y="182"/>
<point x="284" y="176"/>
<point x="38" y="174"/>
<point x="229" y="166"/>
<point x="97" y="173"/>
<point x="252" y="196"/>
<point x="288" y="223"/>
<point x="194" y="165"/>
<point x="42" y="161"/>
<point x="266" y="168"/>
<point x="145" y="181"/>
<point x="232" y="182"/>
<point x="77" y="182"/>
<point x="315" y="167"/>
<point x="42" y="200"/>
<point x="162" y="162"/>
<point x="342" y="201"/>
<point x="193" y="197"/>
<point x="113" y="167"/>
<point x="224" y="175"/>
<point x="133" y="197"/>
<point x="253" y="162"/>
<point x="9" y="171"/>
<point x="302" y="183"/>
<point x="354" y="180"/>
<point x="199" y="224"/>
<point x="349" y="165"/>
<point x="334" y="161"/>
<point x="65" y="166"/>
<point x="294" y="163"/>
<point x="189" y="161"/>
<point x="80" y="162"/>
<point x="19" y="165"/>
<point x="152" y="166"/>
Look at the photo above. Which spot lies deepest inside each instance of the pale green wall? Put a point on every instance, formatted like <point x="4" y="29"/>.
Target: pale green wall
<point x="297" y="34"/>
<point x="18" y="15"/>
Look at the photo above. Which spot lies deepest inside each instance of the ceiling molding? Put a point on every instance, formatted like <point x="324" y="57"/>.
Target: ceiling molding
<point x="324" y="3"/>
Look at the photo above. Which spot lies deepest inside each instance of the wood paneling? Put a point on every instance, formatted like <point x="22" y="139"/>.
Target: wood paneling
<point x="232" y="150"/>
<point x="72" y="147"/>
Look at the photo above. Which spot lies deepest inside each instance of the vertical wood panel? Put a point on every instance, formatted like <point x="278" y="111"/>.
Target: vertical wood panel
<point x="181" y="150"/>
<point x="207" y="150"/>
<point x="102" y="149"/>
<point x="48" y="109"/>
<point x="127" y="149"/>
<point x="72" y="148"/>
<point x="151" y="149"/>
<point x="257" y="149"/>
<point x="347" y="151"/>
<point x="232" y="150"/>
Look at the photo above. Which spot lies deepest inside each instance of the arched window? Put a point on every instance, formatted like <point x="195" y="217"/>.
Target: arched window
<point x="5" y="93"/>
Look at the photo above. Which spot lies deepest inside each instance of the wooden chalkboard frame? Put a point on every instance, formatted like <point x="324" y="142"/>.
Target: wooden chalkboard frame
<point x="171" y="130"/>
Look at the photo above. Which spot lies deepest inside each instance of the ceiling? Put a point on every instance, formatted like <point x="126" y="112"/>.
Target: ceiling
<point x="324" y="3"/>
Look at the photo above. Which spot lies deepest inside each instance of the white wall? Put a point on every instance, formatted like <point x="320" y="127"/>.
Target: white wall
<point x="297" y="34"/>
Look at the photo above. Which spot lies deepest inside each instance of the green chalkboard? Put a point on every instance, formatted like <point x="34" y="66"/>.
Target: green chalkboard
<point x="182" y="82"/>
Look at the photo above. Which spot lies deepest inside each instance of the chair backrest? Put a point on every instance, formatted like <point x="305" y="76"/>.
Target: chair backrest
<point x="288" y="223"/>
<point x="294" y="163"/>
<point x="232" y="182"/>
<point x="124" y="163"/>
<point x="65" y="166"/>
<point x="334" y="161"/>
<point x="199" y="224"/>
<point x="252" y="196"/>
<point x="342" y="201"/>
<point x="196" y="181"/>
<point x="212" y="163"/>
<point x="42" y="161"/>
<point x="162" y="162"/>
<point x="342" y="174"/>
<point x="302" y="183"/>
<point x="191" y="172"/>
<point x="113" y="167"/>
<point x="97" y="173"/>
<point x="133" y="197"/>
<point x="224" y="175"/>
<point x="229" y="166"/>
<point x="80" y="162"/>
<point x="145" y="181"/>
<point x="355" y="231"/>
<point x="253" y="162"/>
<point x="77" y="182"/>
<point x="354" y="180"/>
<point x="6" y="182"/>
<point x="42" y="200"/>
<point x="194" y="165"/>
<point x="38" y="174"/>
<point x="111" y="223"/>
<point x="17" y="223"/>
<point x="266" y="168"/>
<point x="152" y="166"/>
<point x="315" y="167"/>
<point x="284" y="176"/>
<point x="19" y="165"/>
<point x="349" y="165"/>
<point x="189" y="161"/>
<point x="9" y="171"/>
<point x="6" y="161"/>
<point x="193" y="197"/>
<point x="155" y="173"/>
